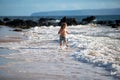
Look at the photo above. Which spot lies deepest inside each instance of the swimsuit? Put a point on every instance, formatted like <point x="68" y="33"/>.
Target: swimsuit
<point x="62" y="38"/>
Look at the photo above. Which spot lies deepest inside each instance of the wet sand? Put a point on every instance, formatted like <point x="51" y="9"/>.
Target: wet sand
<point x="8" y="35"/>
<point x="14" y="39"/>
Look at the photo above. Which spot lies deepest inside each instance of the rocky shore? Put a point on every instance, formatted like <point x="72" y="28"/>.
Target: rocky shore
<point x="25" y="24"/>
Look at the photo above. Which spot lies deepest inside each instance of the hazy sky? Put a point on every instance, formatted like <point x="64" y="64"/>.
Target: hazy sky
<point x="26" y="7"/>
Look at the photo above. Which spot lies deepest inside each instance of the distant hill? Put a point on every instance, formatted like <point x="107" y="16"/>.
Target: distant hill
<point x="115" y="11"/>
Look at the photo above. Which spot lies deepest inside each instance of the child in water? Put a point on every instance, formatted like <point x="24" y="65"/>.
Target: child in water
<point x="63" y="32"/>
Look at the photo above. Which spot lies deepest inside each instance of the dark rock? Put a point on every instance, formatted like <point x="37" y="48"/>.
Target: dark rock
<point x="117" y="22"/>
<point x="88" y="20"/>
<point x="47" y="22"/>
<point x="1" y="22"/>
<point x="6" y="19"/>
<point x="102" y="22"/>
<point x="114" y="26"/>
<point x="16" y="23"/>
<point x="64" y="19"/>
<point x="30" y="23"/>
<point x="42" y="22"/>
<point x="18" y="30"/>
<point x="69" y="21"/>
<point x="109" y="23"/>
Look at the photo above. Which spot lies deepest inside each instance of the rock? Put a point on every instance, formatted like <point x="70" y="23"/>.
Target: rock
<point x="88" y="20"/>
<point x="30" y="23"/>
<point x="47" y="22"/>
<point x="6" y="19"/>
<point x="1" y="22"/>
<point x="69" y="21"/>
<point x="117" y="22"/>
<point x="18" y="30"/>
<point x="16" y="23"/>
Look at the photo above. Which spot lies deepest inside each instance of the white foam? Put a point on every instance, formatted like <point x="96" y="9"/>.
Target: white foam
<point x="100" y="47"/>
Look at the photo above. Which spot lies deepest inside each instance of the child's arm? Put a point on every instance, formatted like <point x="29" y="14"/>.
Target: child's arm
<point x="67" y="32"/>
<point x="59" y="31"/>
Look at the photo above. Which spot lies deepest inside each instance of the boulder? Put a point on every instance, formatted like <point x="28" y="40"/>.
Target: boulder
<point x="69" y="21"/>
<point x="88" y="19"/>
<point x="1" y="22"/>
<point x="30" y="23"/>
<point x="16" y="23"/>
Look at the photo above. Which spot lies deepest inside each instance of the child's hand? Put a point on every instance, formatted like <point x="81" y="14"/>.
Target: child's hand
<point x="67" y="32"/>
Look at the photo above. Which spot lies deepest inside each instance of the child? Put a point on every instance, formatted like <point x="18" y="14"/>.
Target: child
<point x="63" y="32"/>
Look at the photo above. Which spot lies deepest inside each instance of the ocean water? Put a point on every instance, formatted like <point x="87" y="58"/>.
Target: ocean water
<point x="78" y="18"/>
<point x="93" y="54"/>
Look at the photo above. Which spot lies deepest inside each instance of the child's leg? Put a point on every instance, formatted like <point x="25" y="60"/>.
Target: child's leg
<point x="60" y="44"/>
<point x="65" y="42"/>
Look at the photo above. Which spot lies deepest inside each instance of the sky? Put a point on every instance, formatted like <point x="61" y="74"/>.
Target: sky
<point x="27" y="7"/>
